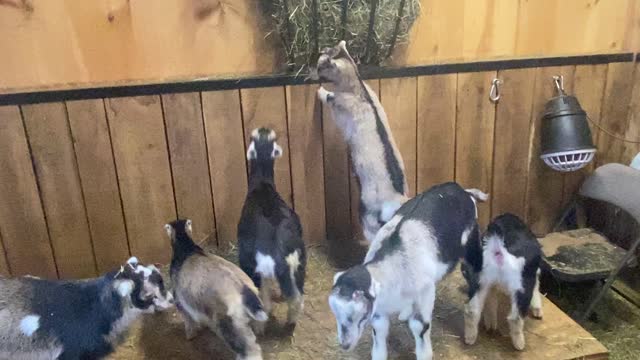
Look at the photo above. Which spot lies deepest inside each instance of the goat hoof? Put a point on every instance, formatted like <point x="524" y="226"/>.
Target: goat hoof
<point x="518" y="342"/>
<point x="536" y="313"/>
<point x="470" y="337"/>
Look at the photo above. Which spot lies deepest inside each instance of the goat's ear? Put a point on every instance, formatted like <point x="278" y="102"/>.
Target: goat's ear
<point x="169" y="229"/>
<point x="374" y="289"/>
<point x="188" y="226"/>
<point x="277" y="151"/>
<point x="358" y="295"/>
<point x="337" y="276"/>
<point x="133" y="261"/>
<point x="124" y="287"/>
<point x="251" y="152"/>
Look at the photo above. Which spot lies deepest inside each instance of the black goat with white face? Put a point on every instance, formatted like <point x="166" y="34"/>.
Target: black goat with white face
<point x="271" y="248"/>
<point x="507" y="259"/>
<point x="82" y="319"/>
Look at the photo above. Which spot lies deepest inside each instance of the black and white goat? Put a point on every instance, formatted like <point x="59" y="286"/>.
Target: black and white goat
<point x="507" y="259"/>
<point x="410" y="254"/>
<point x="363" y="122"/>
<point x="214" y="293"/>
<point x="271" y="248"/>
<point x="80" y="319"/>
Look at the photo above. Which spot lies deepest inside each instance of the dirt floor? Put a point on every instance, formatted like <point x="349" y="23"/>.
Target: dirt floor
<point x="162" y="336"/>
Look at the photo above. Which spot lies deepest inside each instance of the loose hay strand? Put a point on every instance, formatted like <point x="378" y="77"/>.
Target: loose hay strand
<point x="306" y="26"/>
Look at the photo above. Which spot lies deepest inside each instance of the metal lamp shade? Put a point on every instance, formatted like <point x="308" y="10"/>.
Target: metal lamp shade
<point x="566" y="143"/>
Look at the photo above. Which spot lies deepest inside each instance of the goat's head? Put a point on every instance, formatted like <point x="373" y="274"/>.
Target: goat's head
<point x="263" y="145"/>
<point x="351" y="302"/>
<point x="336" y="65"/>
<point x="143" y="285"/>
<point x="179" y="229"/>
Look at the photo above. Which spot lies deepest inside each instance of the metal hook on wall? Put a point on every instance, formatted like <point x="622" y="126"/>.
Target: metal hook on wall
<point x="558" y="80"/>
<point x="494" y="93"/>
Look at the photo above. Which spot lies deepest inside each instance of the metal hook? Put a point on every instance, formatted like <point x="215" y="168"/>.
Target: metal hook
<point x="494" y="93"/>
<point x="558" y="80"/>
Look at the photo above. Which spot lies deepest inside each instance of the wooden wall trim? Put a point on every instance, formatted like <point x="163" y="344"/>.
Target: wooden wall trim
<point x="54" y="95"/>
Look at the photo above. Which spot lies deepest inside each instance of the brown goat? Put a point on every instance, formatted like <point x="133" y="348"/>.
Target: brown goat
<point x="212" y="292"/>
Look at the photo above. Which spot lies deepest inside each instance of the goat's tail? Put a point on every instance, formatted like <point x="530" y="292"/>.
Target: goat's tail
<point x="252" y="305"/>
<point x="478" y="194"/>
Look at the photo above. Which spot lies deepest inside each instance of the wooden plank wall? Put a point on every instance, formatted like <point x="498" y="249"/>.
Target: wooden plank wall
<point x="87" y="183"/>
<point x="72" y="42"/>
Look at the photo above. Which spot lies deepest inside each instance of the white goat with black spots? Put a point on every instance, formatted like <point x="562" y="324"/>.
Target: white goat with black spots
<point x="412" y="252"/>
<point x="76" y="319"/>
<point x="363" y="122"/>
<point x="507" y="259"/>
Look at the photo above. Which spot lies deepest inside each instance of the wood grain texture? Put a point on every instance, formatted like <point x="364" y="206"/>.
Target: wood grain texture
<point x="544" y="185"/>
<point x="4" y="266"/>
<point x="511" y="149"/>
<point x="307" y="170"/>
<point x="92" y="145"/>
<point x="73" y="42"/>
<point x="189" y="162"/>
<point x="615" y="114"/>
<point x="337" y="177"/>
<point x="22" y="222"/>
<point x="474" y="136"/>
<point x="398" y="97"/>
<point x="265" y="107"/>
<point x="56" y="168"/>
<point x="70" y="41"/>
<point x="227" y="160"/>
<point x="436" y="130"/>
<point x="632" y="148"/>
<point x="588" y="87"/>
<point x="144" y="174"/>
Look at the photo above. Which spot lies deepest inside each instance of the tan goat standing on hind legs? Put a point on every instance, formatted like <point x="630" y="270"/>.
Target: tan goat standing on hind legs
<point x="363" y="122"/>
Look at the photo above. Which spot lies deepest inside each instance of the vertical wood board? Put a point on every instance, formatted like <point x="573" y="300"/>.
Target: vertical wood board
<point x="92" y="144"/>
<point x="57" y="174"/>
<point x="189" y="162"/>
<point x="144" y="174"/>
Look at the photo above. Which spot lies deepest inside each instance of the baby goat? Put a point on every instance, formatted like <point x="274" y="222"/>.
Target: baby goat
<point x="269" y="232"/>
<point x="507" y="259"/>
<point x="80" y="319"/>
<point x="410" y="254"/>
<point x="374" y="154"/>
<point x="214" y="293"/>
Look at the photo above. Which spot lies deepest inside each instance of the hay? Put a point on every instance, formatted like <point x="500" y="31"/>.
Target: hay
<point x="306" y="26"/>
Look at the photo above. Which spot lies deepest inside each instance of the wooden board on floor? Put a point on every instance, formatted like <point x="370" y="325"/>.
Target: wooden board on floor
<point x="556" y="337"/>
<point x="305" y="144"/>
<point x="99" y="181"/>
<point x="142" y="162"/>
<point x="436" y="130"/>
<point x="227" y="160"/>
<point x="22" y="222"/>
<point x="57" y="173"/>
<point x="189" y="162"/>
